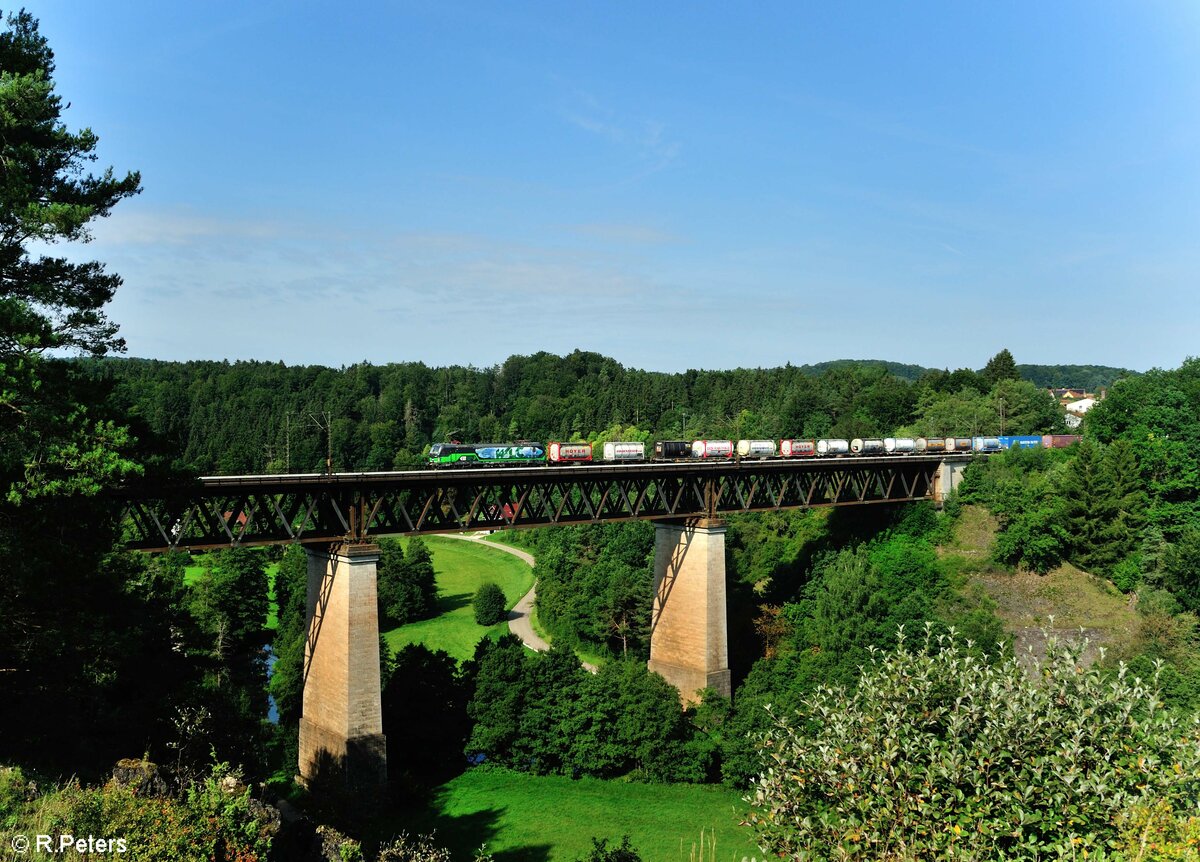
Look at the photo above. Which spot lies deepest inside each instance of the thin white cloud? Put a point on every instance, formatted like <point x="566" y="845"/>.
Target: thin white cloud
<point x="646" y="138"/>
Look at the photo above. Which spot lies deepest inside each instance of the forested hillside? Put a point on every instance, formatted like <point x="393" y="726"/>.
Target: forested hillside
<point x="1089" y="377"/>
<point x="262" y="417"/>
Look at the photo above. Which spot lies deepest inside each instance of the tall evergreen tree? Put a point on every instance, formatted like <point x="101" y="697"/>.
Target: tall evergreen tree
<point x="1091" y="510"/>
<point x="1129" y="496"/>
<point x="1002" y="366"/>
<point x="407" y="590"/>
<point x="88" y="666"/>
<point x="51" y="440"/>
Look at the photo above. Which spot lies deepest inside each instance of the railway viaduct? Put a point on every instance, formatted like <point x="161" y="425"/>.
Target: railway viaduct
<point x="337" y="516"/>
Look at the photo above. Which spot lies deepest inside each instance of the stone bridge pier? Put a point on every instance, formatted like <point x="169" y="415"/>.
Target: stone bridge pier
<point x="342" y="747"/>
<point x="946" y="480"/>
<point x="689" y="644"/>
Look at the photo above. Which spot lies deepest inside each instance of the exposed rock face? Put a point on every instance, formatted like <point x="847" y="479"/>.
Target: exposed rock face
<point x="140" y="776"/>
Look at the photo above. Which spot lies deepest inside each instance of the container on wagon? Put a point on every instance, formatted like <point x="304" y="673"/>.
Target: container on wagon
<point x="797" y="448"/>
<point x="671" y="450"/>
<point x="986" y="444"/>
<point x="958" y="444"/>
<point x="712" y="449"/>
<point x="833" y="447"/>
<point x="624" y="451"/>
<point x="569" y="453"/>
<point x="859" y="446"/>
<point x="1020" y="441"/>
<point x="756" y="448"/>
<point x="931" y="444"/>
<point x="1060" y="441"/>
<point x="899" y="445"/>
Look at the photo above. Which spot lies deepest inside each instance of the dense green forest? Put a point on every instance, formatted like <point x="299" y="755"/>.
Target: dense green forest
<point x="255" y="417"/>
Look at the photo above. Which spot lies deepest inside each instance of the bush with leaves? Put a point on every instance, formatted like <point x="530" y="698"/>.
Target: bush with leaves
<point x="490" y="604"/>
<point x="601" y="852"/>
<point x="939" y="754"/>
<point x="420" y="848"/>
<point x="214" y="818"/>
<point x="1156" y="833"/>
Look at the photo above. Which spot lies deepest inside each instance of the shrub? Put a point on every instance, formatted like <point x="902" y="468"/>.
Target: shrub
<point x="490" y="604"/>
<point x="940" y="754"/>
<point x="1155" y="833"/>
<point x="213" y="819"/>
<point x="420" y="848"/>
<point x="601" y="852"/>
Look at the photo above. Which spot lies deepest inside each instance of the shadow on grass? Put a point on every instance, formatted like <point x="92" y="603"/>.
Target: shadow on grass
<point x="446" y="603"/>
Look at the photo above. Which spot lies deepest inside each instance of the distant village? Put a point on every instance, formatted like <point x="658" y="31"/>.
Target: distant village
<point x="1076" y="402"/>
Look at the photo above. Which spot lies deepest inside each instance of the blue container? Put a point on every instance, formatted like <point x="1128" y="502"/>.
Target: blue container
<point x="1020" y="442"/>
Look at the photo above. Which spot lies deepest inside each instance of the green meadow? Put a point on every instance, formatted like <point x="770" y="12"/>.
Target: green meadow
<point x="459" y="568"/>
<point x="531" y="818"/>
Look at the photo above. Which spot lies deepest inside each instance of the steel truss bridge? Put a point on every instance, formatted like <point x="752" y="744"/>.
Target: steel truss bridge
<point x="221" y="511"/>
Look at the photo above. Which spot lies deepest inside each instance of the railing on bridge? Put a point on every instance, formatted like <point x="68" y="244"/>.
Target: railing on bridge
<point x="320" y="508"/>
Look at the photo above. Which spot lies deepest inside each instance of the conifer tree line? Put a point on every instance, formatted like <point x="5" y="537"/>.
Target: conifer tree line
<point x="247" y="417"/>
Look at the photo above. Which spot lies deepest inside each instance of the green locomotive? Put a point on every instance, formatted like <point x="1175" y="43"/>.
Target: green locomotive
<point x="485" y="454"/>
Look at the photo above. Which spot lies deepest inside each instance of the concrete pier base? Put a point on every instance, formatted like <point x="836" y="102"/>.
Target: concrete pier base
<point x="689" y="645"/>
<point x="946" y="481"/>
<point x="342" y="747"/>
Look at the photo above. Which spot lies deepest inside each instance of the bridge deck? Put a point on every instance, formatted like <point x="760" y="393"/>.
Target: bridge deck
<point x="219" y="511"/>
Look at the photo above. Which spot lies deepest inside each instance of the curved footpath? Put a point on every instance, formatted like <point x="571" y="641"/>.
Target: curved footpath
<point x="519" y="622"/>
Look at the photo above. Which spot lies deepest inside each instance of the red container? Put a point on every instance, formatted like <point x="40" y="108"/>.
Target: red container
<point x="797" y="448"/>
<point x="1060" y="441"/>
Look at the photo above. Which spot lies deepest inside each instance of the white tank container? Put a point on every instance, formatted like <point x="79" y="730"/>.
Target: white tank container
<point x="921" y="443"/>
<point x="899" y="445"/>
<point x="986" y="444"/>
<point x="712" y="449"/>
<point x="833" y="447"/>
<point x="756" y="448"/>
<point x="797" y="448"/>
<point x="624" y="451"/>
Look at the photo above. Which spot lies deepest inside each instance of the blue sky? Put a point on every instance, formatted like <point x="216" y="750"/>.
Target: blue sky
<point x="675" y="185"/>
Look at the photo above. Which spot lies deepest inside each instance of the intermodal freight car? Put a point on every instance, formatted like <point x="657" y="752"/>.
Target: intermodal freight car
<point x="487" y="454"/>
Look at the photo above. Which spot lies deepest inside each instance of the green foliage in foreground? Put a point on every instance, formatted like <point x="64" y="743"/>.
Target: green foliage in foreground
<point x="938" y="754"/>
<point x="212" y="819"/>
<point x="542" y="713"/>
<point x="530" y="818"/>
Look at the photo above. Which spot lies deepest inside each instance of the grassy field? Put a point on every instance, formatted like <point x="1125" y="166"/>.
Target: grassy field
<point x="460" y="567"/>
<point x="528" y="818"/>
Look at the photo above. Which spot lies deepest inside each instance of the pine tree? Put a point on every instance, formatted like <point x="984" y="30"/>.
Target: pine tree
<point x="1129" y="497"/>
<point x="1091" y="510"/>
<point x="52" y="441"/>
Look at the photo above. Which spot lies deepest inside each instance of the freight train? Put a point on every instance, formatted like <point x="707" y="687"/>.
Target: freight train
<point x="500" y="454"/>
